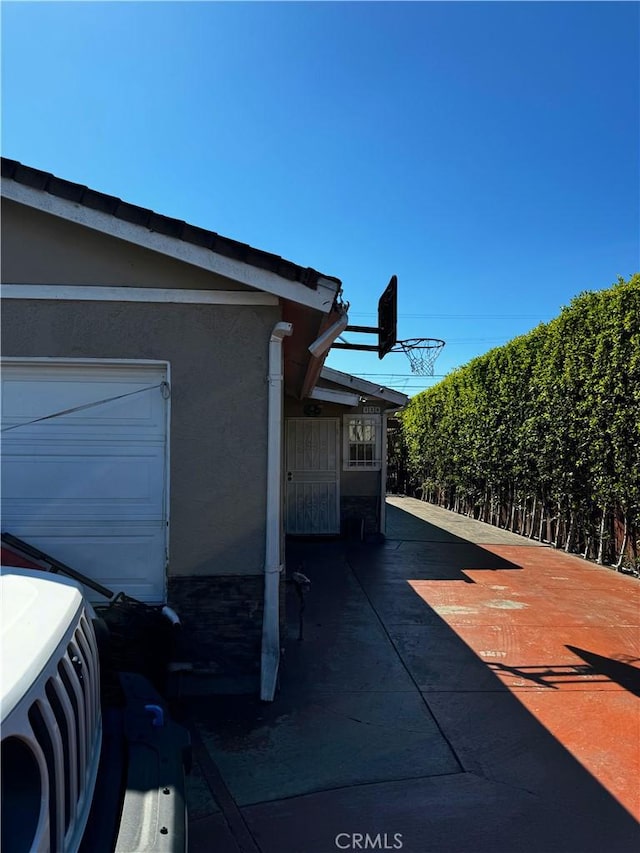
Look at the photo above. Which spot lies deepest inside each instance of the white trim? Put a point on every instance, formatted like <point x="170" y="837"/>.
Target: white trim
<point x="273" y="562"/>
<point x="357" y="384"/>
<point x="167" y="484"/>
<point x="53" y="360"/>
<point x="28" y="361"/>
<point x="320" y="346"/>
<point x="332" y="395"/>
<point x="383" y="475"/>
<point x="96" y="293"/>
<point x="320" y="299"/>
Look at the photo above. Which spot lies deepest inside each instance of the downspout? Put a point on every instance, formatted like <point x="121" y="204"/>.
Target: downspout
<point x="383" y="475"/>
<point x="270" y="659"/>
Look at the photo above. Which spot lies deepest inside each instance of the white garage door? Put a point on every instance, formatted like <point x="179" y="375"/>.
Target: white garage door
<point x="89" y="487"/>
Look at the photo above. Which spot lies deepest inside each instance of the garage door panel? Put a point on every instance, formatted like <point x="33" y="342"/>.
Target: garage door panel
<point x="137" y="406"/>
<point x="90" y="488"/>
<point x="83" y="485"/>
<point x="143" y="408"/>
<point x="110" y="555"/>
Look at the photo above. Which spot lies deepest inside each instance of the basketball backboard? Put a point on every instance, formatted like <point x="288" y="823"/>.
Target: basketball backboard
<point x="388" y="318"/>
<point x="386" y="330"/>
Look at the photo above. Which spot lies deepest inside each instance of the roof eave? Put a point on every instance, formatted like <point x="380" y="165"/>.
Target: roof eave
<point x="355" y="383"/>
<point x="321" y="297"/>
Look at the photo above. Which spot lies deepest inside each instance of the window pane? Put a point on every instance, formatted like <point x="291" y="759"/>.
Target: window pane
<point x="362" y="436"/>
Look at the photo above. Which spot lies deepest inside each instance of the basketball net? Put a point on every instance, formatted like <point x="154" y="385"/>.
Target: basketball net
<point x="422" y="354"/>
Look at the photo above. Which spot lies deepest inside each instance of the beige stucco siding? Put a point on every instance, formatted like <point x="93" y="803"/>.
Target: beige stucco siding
<point x="38" y="248"/>
<point x="218" y="356"/>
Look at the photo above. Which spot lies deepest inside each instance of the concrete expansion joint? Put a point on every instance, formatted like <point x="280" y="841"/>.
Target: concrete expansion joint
<point x="510" y="785"/>
<point x="231" y="813"/>
<point x="385" y="629"/>
<point x="354" y="786"/>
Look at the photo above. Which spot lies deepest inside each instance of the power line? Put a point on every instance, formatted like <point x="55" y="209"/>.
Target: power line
<point x="454" y="341"/>
<point x="457" y="316"/>
<point x="465" y="341"/>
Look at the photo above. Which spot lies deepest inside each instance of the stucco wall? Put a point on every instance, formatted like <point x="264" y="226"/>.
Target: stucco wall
<point x="41" y="249"/>
<point x="218" y="356"/>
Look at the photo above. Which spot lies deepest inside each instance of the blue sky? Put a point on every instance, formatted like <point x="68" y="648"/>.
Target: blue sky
<point x="486" y="153"/>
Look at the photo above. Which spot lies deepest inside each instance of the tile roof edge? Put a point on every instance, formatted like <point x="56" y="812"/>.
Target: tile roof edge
<point x="157" y="222"/>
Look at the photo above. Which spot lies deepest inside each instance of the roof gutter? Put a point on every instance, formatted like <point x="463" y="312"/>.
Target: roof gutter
<point x="270" y="659"/>
<point x="322" y="345"/>
<point x="319" y="349"/>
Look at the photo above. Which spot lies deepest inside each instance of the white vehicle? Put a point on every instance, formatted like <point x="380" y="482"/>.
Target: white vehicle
<point x="76" y="775"/>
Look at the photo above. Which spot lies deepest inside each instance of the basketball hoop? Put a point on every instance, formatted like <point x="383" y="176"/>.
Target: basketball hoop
<point x="421" y="352"/>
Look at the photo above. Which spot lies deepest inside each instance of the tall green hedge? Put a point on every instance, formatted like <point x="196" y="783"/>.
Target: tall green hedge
<point x="542" y="435"/>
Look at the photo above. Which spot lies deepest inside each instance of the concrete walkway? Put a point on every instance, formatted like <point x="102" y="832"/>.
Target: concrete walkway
<point x="458" y="688"/>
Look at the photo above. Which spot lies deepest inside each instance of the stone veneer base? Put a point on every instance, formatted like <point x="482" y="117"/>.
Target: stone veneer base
<point x="221" y="619"/>
<point x="355" y="510"/>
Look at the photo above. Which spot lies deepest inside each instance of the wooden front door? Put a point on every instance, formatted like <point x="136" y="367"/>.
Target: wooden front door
<point x="313" y="476"/>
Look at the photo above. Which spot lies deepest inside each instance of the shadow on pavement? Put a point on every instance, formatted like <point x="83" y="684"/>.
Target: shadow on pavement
<point x="622" y="672"/>
<point x="387" y="723"/>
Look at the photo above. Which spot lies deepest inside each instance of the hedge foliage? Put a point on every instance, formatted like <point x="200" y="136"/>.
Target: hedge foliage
<point x="542" y="435"/>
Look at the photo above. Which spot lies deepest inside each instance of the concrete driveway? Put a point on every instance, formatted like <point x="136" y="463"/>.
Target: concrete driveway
<point x="458" y="688"/>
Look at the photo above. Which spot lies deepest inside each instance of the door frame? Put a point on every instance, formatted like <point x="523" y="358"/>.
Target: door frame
<point x="338" y="426"/>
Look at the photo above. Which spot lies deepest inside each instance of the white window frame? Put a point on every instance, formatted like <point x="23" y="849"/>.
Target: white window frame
<point x="374" y="464"/>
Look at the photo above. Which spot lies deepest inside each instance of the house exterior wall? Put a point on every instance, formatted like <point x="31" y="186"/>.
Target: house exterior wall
<point x="360" y="491"/>
<point x="218" y="355"/>
<point x="218" y="431"/>
<point x="43" y="249"/>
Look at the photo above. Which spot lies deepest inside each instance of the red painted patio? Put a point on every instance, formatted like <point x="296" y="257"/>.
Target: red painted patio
<point x="563" y="636"/>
